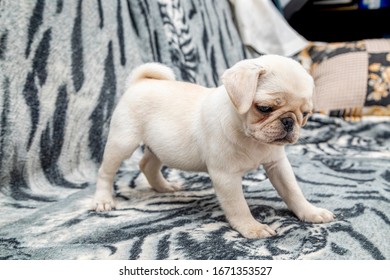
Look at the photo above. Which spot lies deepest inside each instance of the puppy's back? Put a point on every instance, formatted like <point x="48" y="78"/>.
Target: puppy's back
<point x="151" y="70"/>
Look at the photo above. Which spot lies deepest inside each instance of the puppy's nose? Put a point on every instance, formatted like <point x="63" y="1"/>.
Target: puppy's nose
<point x="288" y="124"/>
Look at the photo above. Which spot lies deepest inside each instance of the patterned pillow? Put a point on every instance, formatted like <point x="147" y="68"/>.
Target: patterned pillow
<point x="352" y="78"/>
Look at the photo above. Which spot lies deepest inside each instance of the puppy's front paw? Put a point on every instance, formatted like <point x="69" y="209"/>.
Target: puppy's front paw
<point x="317" y="215"/>
<point x="103" y="202"/>
<point x="256" y="230"/>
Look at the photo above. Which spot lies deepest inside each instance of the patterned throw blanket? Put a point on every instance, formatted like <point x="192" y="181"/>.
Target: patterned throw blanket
<point x="63" y="66"/>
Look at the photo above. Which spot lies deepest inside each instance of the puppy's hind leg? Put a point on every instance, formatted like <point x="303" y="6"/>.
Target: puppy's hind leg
<point x="121" y="143"/>
<point x="150" y="165"/>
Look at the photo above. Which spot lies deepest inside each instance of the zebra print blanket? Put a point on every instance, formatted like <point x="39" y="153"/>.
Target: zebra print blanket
<point x="63" y="65"/>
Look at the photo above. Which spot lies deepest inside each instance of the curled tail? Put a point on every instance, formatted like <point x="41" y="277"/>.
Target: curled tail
<point x="151" y="70"/>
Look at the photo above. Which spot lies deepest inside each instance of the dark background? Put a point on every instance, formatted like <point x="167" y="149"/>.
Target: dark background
<point x="333" y="23"/>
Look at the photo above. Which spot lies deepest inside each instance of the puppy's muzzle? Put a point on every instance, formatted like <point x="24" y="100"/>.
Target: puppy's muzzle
<point x="288" y="124"/>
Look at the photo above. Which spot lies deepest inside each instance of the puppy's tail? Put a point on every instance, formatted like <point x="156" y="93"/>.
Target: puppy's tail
<point x="151" y="70"/>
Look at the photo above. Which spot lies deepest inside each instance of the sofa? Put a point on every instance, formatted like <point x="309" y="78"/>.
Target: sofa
<point x="63" y="67"/>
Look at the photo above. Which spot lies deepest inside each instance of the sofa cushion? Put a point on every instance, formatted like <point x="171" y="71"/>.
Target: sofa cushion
<point x="352" y="78"/>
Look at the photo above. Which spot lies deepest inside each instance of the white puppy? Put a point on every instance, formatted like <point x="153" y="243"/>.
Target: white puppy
<point x="225" y="131"/>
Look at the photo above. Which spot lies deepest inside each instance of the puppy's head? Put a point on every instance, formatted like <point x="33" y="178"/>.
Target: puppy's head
<point x="272" y="95"/>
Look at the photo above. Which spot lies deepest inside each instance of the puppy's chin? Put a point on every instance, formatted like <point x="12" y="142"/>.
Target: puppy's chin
<point x="289" y="138"/>
<point x="275" y="137"/>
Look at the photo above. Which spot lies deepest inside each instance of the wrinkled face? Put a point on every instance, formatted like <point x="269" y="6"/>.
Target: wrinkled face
<point x="272" y="96"/>
<point x="276" y="118"/>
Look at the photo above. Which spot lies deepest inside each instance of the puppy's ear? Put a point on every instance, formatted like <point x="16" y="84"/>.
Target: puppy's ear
<point x="240" y="82"/>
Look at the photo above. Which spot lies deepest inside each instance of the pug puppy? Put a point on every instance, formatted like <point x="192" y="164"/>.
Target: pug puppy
<point x="225" y="131"/>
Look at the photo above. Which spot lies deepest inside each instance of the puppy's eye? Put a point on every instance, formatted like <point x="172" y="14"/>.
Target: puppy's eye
<point x="264" y="109"/>
<point x="305" y="114"/>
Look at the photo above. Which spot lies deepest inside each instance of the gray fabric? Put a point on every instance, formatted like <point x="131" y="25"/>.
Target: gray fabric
<point x="63" y="66"/>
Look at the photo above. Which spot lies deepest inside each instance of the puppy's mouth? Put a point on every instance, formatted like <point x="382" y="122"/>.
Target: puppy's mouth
<point x="288" y="138"/>
<point x="276" y="137"/>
